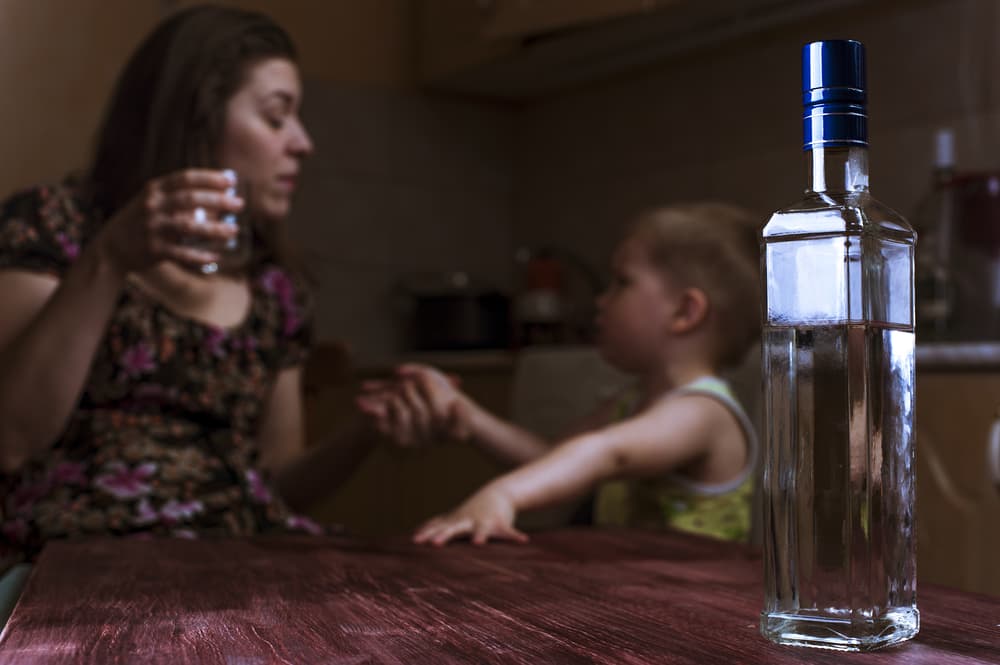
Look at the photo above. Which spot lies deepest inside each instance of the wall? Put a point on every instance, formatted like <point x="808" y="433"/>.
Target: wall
<point x="58" y="61"/>
<point x="400" y="184"/>
<point x="725" y="123"/>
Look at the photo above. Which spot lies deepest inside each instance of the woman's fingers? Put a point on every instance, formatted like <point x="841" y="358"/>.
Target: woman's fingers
<point x="376" y="385"/>
<point x="420" y="412"/>
<point x="193" y="179"/>
<point x="187" y="255"/>
<point x="183" y="200"/>
<point x="372" y="406"/>
<point x="192" y="224"/>
<point x="400" y="420"/>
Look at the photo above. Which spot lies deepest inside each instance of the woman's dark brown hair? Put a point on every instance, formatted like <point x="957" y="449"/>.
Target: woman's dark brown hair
<point x="168" y="108"/>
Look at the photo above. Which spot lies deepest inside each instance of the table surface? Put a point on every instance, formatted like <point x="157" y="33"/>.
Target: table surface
<point x="570" y="596"/>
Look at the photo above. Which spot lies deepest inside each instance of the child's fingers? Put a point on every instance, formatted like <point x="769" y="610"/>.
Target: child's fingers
<point x="453" y="530"/>
<point x="511" y="533"/>
<point x="481" y="534"/>
<point x="422" y="533"/>
<point x="440" y="530"/>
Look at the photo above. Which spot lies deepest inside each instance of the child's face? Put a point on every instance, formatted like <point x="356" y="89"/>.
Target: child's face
<point x="633" y="314"/>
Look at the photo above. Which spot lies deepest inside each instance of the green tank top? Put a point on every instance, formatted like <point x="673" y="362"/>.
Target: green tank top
<point x="715" y="510"/>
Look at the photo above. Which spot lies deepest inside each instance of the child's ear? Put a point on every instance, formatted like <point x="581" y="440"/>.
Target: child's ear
<point x="691" y="311"/>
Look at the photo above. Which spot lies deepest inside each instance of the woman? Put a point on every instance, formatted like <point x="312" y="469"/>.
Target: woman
<point x="139" y="395"/>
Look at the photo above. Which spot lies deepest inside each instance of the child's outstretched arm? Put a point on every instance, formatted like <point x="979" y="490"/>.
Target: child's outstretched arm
<point x="669" y="434"/>
<point x="423" y="403"/>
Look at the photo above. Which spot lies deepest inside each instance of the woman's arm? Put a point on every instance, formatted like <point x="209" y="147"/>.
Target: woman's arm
<point x="303" y="475"/>
<point x="50" y="328"/>
<point x="49" y="332"/>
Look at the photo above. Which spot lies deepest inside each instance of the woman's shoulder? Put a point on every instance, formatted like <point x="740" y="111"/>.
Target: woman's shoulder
<point x="288" y="289"/>
<point x="42" y="228"/>
<point x="287" y="309"/>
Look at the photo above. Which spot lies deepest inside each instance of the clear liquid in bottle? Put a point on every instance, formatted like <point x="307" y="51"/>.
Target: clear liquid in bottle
<point x="838" y="364"/>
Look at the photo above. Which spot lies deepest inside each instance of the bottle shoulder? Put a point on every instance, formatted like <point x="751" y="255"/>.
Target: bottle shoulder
<point x="856" y="213"/>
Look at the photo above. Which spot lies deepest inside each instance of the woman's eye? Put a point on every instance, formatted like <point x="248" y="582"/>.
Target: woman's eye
<point x="274" y="120"/>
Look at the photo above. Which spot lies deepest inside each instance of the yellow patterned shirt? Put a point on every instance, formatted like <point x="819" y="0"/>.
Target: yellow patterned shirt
<point x="715" y="510"/>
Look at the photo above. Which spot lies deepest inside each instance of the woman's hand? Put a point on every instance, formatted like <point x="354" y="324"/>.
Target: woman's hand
<point x="489" y="513"/>
<point x="420" y="404"/>
<point x="167" y="212"/>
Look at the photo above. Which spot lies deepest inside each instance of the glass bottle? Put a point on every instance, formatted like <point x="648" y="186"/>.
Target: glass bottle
<point x="838" y="365"/>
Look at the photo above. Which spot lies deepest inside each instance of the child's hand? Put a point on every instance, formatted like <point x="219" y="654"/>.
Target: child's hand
<point x="422" y="403"/>
<point x="489" y="513"/>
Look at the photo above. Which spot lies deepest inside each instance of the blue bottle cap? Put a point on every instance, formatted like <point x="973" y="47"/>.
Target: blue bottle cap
<point x="834" y="98"/>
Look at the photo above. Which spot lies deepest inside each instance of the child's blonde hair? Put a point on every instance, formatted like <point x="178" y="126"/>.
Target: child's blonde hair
<point x="713" y="247"/>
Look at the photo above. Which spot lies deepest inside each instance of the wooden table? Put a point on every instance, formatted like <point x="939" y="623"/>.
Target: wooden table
<point x="574" y="596"/>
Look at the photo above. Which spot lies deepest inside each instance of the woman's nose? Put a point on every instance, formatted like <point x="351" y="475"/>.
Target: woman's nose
<point x="300" y="144"/>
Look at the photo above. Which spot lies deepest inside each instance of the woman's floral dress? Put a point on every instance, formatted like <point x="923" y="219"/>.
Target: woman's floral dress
<point x="162" y="441"/>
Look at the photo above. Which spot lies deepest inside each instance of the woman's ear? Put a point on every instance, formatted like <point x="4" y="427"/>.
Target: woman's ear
<point x="691" y="311"/>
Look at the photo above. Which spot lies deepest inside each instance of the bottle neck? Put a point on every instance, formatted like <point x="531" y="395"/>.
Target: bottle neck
<point x="836" y="170"/>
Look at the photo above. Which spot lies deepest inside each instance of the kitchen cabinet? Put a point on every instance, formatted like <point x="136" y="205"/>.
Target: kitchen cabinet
<point x="456" y="35"/>
<point x="519" y="49"/>
<point x="958" y="502"/>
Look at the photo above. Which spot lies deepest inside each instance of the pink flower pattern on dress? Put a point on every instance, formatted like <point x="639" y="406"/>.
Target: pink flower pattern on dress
<point x="258" y="488"/>
<point x="145" y="514"/>
<point x="138" y="360"/>
<point x="300" y="523"/>
<point x="171" y="512"/>
<point x="276" y="282"/>
<point x="175" y="511"/>
<point x="69" y="248"/>
<point x="125" y="483"/>
<point x="69" y="473"/>
<point x="214" y="340"/>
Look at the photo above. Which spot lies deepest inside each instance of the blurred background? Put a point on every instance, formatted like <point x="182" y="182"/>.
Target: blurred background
<point x="452" y="133"/>
<point x="477" y="159"/>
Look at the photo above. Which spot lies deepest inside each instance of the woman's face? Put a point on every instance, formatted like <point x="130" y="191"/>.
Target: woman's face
<point x="263" y="138"/>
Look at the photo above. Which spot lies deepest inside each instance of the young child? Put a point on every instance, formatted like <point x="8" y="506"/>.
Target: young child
<point x="674" y="450"/>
